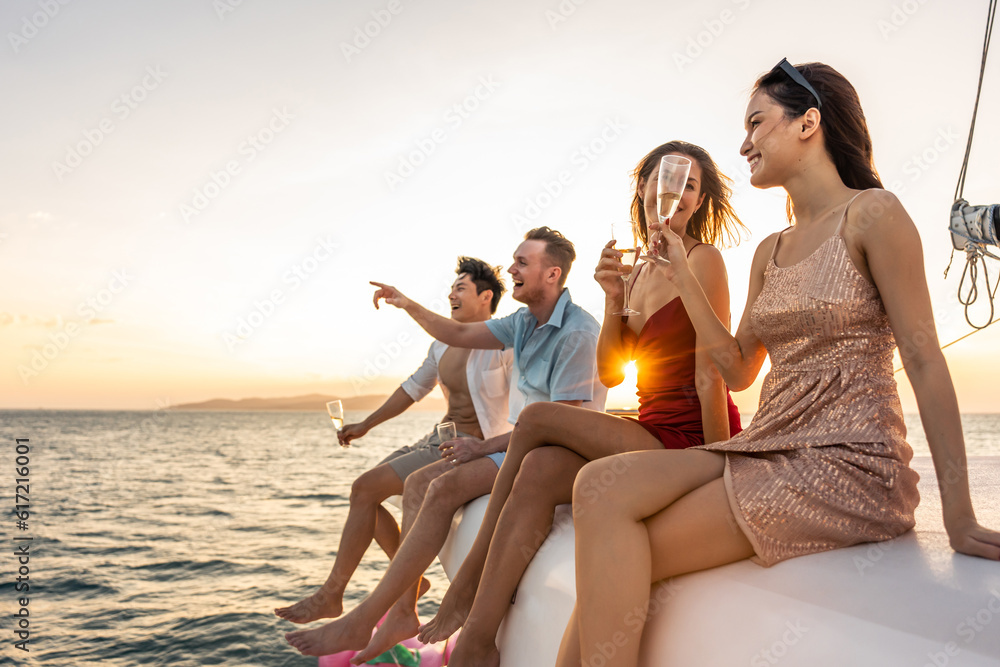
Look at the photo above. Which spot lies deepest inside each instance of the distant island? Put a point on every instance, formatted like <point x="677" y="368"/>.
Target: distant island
<point x="308" y="402"/>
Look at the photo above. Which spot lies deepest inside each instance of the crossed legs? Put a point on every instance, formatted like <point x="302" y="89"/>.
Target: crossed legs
<point x="535" y="478"/>
<point x="666" y="513"/>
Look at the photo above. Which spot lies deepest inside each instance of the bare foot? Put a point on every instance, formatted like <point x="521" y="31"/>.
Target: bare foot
<point x="450" y="617"/>
<point x="472" y="654"/>
<point x="321" y="604"/>
<point x="399" y="625"/>
<point x="344" y="634"/>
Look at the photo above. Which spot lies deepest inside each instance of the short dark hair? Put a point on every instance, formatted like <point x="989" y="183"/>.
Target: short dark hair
<point x="558" y="248"/>
<point x="484" y="277"/>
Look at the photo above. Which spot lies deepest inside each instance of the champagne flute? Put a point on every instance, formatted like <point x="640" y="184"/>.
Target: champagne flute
<point x="674" y="170"/>
<point x="627" y="246"/>
<point x="446" y="431"/>
<point x="336" y="411"/>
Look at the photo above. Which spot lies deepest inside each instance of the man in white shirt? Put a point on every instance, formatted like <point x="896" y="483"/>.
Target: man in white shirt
<point x="555" y="359"/>
<point x="476" y="384"/>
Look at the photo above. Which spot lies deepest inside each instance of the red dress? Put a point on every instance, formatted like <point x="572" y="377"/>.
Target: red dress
<point x="664" y="353"/>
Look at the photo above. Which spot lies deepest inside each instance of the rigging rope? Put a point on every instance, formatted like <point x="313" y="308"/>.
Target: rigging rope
<point x="975" y="248"/>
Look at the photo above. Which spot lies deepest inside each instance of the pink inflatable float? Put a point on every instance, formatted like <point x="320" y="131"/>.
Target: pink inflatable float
<point x="410" y="653"/>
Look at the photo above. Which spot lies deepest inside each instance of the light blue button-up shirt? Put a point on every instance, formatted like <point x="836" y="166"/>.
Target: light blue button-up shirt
<point x="556" y="361"/>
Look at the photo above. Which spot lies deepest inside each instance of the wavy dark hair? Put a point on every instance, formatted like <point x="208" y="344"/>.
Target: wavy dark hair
<point x="484" y="277"/>
<point x="715" y="221"/>
<point x="845" y="130"/>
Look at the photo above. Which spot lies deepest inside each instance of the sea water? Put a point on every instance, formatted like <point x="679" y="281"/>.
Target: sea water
<point x="167" y="538"/>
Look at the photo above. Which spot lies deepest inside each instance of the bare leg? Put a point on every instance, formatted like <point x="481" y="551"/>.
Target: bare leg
<point x="588" y="433"/>
<point x="569" y="649"/>
<point x="545" y="480"/>
<point x="444" y="496"/>
<point x="386" y="531"/>
<point x="402" y="622"/>
<point x="657" y="515"/>
<point x="367" y="494"/>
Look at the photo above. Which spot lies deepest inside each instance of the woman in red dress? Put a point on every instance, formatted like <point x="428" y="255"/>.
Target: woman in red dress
<point x="683" y="402"/>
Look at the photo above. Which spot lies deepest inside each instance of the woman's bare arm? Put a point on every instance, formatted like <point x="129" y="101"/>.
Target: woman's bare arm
<point x="738" y="358"/>
<point x="894" y="256"/>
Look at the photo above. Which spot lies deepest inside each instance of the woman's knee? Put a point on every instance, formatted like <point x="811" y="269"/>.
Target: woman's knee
<point x="600" y="488"/>
<point x="544" y="473"/>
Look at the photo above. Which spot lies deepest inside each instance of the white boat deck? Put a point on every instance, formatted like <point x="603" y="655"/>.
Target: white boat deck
<point x="909" y="601"/>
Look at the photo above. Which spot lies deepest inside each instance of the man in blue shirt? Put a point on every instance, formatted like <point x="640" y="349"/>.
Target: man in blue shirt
<point x="555" y="359"/>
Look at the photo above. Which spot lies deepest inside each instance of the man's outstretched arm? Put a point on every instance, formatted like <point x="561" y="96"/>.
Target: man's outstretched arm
<point x="394" y="406"/>
<point x="473" y="335"/>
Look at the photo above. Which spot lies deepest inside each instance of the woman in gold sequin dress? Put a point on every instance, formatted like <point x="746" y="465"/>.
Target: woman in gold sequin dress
<point x="824" y="463"/>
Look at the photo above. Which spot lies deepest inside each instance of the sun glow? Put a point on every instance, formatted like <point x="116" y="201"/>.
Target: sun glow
<point x="623" y="396"/>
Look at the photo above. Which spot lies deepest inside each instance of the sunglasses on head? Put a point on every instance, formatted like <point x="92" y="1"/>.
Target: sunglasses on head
<point x="797" y="77"/>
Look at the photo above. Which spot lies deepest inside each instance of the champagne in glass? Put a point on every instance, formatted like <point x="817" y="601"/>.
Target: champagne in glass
<point x="336" y="411"/>
<point x="670" y="184"/>
<point x="623" y="234"/>
<point x="666" y="204"/>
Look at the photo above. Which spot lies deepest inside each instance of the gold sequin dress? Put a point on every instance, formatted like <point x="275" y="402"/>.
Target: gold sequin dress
<point x="823" y="464"/>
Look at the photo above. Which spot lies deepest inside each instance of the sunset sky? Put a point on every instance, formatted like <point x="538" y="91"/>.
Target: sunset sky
<point x="196" y="193"/>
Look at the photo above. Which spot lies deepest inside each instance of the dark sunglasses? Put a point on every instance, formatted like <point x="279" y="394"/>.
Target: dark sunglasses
<point x="797" y="77"/>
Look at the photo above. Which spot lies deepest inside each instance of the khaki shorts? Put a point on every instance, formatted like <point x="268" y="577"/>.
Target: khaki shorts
<point x="411" y="458"/>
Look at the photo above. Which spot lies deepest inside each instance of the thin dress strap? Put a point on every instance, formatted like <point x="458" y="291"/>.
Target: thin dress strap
<point x="695" y="246"/>
<point x="774" y="248"/>
<point x="843" y="218"/>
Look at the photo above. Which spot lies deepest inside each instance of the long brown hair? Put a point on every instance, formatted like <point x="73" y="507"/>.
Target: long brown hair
<point x="715" y="221"/>
<point x="845" y="130"/>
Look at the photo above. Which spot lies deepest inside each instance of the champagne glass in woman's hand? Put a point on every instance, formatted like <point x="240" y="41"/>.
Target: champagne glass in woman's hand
<point x="673" y="176"/>
<point x="672" y="255"/>
<point x="623" y="234"/>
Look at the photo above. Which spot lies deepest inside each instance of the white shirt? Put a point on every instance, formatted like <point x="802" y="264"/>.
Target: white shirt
<point x="489" y="374"/>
